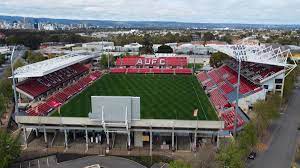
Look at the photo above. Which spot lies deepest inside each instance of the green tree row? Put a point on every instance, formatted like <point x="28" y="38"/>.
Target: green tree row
<point x="121" y="40"/>
<point x="33" y="57"/>
<point x="216" y="59"/>
<point x="289" y="83"/>
<point x="33" y="39"/>
<point x="6" y="92"/>
<point x="9" y="147"/>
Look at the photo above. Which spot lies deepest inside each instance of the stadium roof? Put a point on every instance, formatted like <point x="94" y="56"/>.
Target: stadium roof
<point x="258" y="54"/>
<point x="48" y="66"/>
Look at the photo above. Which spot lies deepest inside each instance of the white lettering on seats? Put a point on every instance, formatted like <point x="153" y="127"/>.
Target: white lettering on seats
<point x="162" y="62"/>
<point x="139" y="62"/>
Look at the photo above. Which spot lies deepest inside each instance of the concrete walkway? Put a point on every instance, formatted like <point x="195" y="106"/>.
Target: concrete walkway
<point x="105" y="161"/>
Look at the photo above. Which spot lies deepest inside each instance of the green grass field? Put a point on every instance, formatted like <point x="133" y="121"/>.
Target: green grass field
<point x="162" y="96"/>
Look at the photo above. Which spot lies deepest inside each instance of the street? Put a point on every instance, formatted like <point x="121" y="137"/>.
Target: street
<point x="19" y="52"/>
<point x="282" y="148"/>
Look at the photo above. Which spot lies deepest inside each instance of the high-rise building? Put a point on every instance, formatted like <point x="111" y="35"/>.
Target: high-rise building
<point x="36" y="24"/>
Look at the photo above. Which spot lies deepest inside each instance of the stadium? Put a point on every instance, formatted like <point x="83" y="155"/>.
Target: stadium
<point x="146" y="97"/>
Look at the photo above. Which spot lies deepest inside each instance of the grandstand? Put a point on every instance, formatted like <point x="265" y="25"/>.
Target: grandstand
<point x="60" y="97"/>
<point x="220" y="85"/>
<point x="263" y="69"/>
<point x="37" y="86"/>
<point x="53" y="81"/>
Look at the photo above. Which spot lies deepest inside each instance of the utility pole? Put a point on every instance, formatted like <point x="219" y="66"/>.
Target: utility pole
<point x="237" y="96"/>
<point x="14" y="82"/>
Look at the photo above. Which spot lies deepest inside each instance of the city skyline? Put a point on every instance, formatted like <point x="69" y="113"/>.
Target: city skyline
<point x="203" y="11"/>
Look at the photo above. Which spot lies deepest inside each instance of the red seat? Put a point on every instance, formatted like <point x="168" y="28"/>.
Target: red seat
<point x="183" y="71"/>
<point x="132" y="70"/>
<point x="144" y="70"/>
<point x="218" y="99"/>
<point x="118" y="70"/>
<point x="226" y="88"/>
<point x="229" y="117"/>
<point x="214" y="76"/>
<point x="156" y="71"/>
<point x="202" y="76"/>
<point x="167" y="71"/>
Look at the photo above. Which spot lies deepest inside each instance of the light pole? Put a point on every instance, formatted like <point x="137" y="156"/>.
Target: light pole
<point x="237" y="96"/>
<point x="108" y="61"/>
<point x="14" y="82"/>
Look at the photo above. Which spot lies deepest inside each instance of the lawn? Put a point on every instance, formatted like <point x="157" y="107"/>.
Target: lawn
<point x="162" y="96"/>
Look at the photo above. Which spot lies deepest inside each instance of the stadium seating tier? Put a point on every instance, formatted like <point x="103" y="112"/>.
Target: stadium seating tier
<point x="59" y="98"/>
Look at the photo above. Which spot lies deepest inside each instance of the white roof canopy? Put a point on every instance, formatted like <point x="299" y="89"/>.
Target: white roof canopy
<point x="48" y="66"/>
<point x="257" y="54"/>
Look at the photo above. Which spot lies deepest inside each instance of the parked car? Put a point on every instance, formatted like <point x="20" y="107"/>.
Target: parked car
<point x="252" y="155"/>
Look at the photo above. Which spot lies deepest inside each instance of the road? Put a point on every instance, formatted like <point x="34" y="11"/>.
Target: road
<point x="282" y="148"/>
<point x="19" y="52"/>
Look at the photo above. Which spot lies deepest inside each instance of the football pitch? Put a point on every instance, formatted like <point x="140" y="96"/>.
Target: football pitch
<point x="161" y="96"/>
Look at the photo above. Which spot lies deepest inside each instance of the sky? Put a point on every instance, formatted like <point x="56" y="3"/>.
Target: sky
<point x="196" y="11"/>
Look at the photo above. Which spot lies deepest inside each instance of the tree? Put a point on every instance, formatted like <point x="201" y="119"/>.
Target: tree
<point x="265" y="112"/>
<point x="6" y="83"/>
<point x="207" y="36"/>
<point x="234" y="153"/>
<point x="289" y="83"/>
<point x="227" y="38"/>
<point x="2" y="59"/>
<point x="247" y="139"/>
<point x="217" y="59"/>
<point x="231" y="156"/>
<point x="33" y="57"/>
<point x="33" y="39"/>
<point x="147" y="45"/>
<point x="2" y="104"/>
<point x="6" y="89"/>
<point x="50" y="56"/>
<point x="261" y="120"/>
<point x="18" y="63"/>
<point x="164" y="49"/>
<point x="7" y="72"/>
<point x="179" y="164"/>
<point x="9" y="149"/>
<point x="104" y="60"/>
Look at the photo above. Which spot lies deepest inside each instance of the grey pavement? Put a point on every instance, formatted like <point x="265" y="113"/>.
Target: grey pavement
<point x="282" y="148"/>
<point x="104" y="161"/>
<point x="94" y="161"/>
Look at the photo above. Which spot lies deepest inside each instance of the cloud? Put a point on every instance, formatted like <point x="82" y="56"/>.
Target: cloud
<point x="217" y="11"/>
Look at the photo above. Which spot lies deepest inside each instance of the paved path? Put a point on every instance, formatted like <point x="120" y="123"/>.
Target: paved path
<point x="107" y="162"/>
<point x="283" y="142"/>
<point x="104" y="161"/>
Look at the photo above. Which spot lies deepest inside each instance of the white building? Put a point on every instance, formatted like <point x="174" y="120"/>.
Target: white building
<point x="4" y="50"/>
<point x="99" y="46"/>
<point x="197" y="49"/>
<point x="132" y="47"/>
